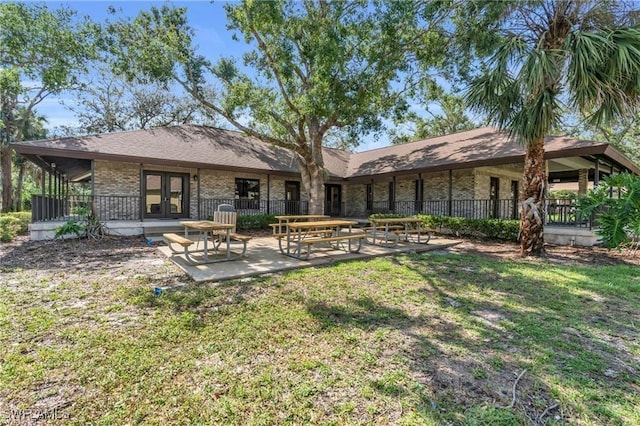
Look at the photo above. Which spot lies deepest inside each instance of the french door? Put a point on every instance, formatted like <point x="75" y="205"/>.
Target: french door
<point x="332" y="199"/>
<point x="166" y="195"/>
<point x="292" y="197"/>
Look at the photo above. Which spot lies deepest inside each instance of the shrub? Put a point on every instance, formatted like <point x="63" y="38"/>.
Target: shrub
<point x="260" y="221"/>
<point x="563" y="194"/>
<point x="618" y="218"/>
<point x="501" y="229"/>
<point x="13" y="224"/>
<point x="71" y="227"/>
<point x="385" y="215"/>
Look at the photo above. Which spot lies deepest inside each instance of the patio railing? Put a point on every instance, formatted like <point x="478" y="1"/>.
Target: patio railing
<point x="76" y="207"/>
<point x="558" y="212"/>
<point x="472" y="209"/>
<point x="253" y="207"/>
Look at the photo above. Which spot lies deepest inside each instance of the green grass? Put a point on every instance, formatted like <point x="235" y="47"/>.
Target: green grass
<point x="419" y="339"/>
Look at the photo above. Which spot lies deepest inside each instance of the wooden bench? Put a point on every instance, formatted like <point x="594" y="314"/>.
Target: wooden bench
<point x="418" y="232"/>
<point x="233" y="237"/>
<point x="381" y="228"/>
<point x="335" y="239"/>
<point x="381" y="237"/>
<point x="177" y="239"/>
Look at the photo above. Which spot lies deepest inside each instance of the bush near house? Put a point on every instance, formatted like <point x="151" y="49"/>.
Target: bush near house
<point x="13" y="224"/>
<point x="563" y="194"/>
<point x="500" y="229"/>
<point x="260" y="221"/>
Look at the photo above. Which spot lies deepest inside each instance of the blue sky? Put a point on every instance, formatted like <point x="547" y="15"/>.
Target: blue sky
<point x="212" y="38"/>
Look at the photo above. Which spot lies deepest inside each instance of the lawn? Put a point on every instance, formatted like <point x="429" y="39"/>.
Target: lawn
<point x="433" y="338"/>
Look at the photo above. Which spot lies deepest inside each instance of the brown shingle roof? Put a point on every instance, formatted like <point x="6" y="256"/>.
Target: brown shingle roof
<point x="180" y="145"/>
<point x="206" y="147"/>
<point x="482" y="146"/>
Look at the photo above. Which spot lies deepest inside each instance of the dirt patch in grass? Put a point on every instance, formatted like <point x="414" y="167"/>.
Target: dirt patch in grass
<point x="560" y="255"/>
<point x="114" y="251"/>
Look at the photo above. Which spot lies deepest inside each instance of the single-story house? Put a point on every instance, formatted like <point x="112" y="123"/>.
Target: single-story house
<point x="187" y="171"/>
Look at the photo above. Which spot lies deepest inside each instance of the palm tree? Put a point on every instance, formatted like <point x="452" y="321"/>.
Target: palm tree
<point x="556" y="56"/>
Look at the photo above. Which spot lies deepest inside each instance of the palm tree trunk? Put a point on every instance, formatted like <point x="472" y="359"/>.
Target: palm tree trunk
<point x="532" y="208"/>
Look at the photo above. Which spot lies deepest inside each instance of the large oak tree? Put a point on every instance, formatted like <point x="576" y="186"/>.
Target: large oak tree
<point x="319" y="71"/>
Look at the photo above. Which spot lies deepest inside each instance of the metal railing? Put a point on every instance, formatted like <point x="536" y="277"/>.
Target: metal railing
<point x="76" y="207"/>
<point x="253" y="207"/>
<point x="564" y="212"/>
<point x="472" y="209"/>
<point x="558" y="211"/>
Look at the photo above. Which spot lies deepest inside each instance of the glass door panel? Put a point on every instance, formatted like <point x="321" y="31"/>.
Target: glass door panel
<point x="166" y="195"/>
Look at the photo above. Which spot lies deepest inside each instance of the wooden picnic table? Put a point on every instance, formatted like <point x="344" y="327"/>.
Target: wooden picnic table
<point x="386" y="229"/>
<point x="206" y="228"/>
<point x="300" y="234"/>
<point x="279" y="229"/>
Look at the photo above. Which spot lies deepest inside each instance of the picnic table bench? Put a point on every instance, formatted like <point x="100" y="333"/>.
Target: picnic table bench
<point x="219" y="233"/>
<point x="388" y="231"/>
<point x="301" y="236"/>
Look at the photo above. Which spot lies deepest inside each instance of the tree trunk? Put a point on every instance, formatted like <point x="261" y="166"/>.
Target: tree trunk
<point x="532" y="213"/>
<point x="7" y="187"/>
<point x="313" y="184"/>
<point x="21" y="172"/>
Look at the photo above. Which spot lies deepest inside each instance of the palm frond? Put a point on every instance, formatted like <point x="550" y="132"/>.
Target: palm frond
<point x="604" y="73"/>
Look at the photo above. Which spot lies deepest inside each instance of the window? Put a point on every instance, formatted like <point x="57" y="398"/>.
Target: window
<point x="369" y="191"/>
<point x="247" y="194"/>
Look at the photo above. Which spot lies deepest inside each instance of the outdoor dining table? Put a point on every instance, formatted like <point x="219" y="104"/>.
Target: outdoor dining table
<point x="309" y="233"/>
<point x="284" y="220"/>
<point x="410" y="225"/>
<point x="208" y="228"/>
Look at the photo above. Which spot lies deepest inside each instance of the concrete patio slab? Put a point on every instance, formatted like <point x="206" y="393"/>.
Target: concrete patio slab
<point x="264" y="257"/>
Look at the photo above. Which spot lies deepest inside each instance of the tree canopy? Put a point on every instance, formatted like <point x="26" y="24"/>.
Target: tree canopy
<point x="41" y="53"/>
<point x="317" y="71"/>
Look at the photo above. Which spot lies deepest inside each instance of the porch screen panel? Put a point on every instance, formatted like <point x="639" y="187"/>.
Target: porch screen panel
<point x="153" y="196"/>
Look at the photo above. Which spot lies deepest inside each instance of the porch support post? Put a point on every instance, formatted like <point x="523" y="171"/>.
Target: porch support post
<point x="50" y="191"/>
<point x="450" y="194"/>
<point x="373" y="198"/>
<point x="269" y="194"/>
<point x="583" y="181"/>
<point x="395" y="194"/>
<point x="596" y="174"/>
<point x="611" y="174"/>
<point x="142" y="186"/>
<point x="198" y="192"/>
<point x="420" y="194"/>
<point x="43" y="184"/>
